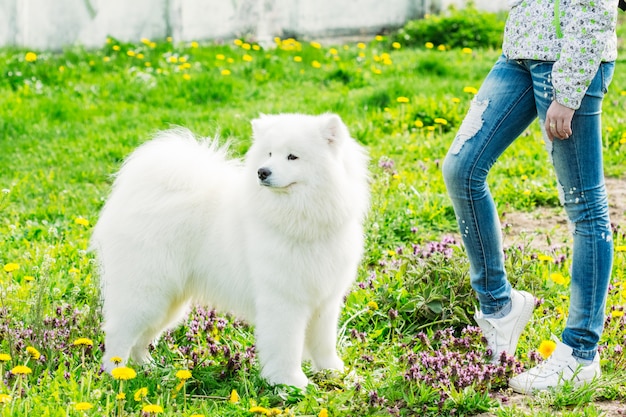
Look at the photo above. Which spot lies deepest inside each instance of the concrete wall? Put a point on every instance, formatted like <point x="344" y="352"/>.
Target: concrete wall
<point x="53" y="24"/>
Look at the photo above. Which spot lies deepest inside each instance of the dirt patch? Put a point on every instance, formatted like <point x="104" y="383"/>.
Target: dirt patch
<point x="546" y="227"/>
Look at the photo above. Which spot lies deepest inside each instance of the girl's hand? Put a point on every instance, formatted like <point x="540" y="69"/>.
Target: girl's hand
<point x="559" y="121"/>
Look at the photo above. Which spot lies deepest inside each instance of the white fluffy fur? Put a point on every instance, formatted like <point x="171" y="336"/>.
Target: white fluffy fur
<point x="186" y="225"/>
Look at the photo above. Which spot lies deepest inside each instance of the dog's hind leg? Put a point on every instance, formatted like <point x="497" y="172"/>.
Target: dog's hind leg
<point x="131" y="330"/>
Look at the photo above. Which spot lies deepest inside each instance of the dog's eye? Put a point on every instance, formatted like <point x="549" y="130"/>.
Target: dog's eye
<point x="291" y="157"/>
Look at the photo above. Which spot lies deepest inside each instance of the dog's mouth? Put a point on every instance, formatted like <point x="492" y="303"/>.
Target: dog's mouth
<point x="269" y="184"/>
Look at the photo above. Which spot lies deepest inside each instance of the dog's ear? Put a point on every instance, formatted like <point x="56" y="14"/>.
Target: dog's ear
<point x="333" y="129"/>
<point x="259" y="124"/>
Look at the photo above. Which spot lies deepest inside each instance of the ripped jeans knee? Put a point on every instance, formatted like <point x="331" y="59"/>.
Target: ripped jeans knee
<point x="471" y="125"/>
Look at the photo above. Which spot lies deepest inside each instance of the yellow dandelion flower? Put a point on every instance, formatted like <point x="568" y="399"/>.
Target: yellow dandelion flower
<point x="323" y="413"/>
<point x="11" y="267"/>
<point x="620" y="248"/>
<point x="131" y="53"/>
<point x="234" y="397"/>
<point x="315" y="45"/>
<point x="121" y="396"/>
<point x="225" y="72"/>
<point x="247" y="58"/>
<point x="238" y="42"/>
<point x="5" y="398"/>
<point x="74" y="271"/>
<point x="470" y="90"/>
<point x="372" y="305"/>
<point x="183" y="374"/>
<point x="145" y="41"/>
<point x="197" y="415"/>
<point x="259" y="409"/>
<point x="30" y="57"/>
<point x="152" y="408"/>
<point x="545" y="258"/>
<point x="140" y="56"/>
<point x="256" y="47"/>
<point x="430" y="128"/>
<point x="123" y="373"/>
<point x="116" y="360"/>
<point x="297" y="58"/>
<point x="21" y="370"/>
<point x="429" y="45"/>
<point x="246" y="46"/>
<point x="526" y="192"/>
<point x="396" y="45"/>
<point x="140" y="394"/>
<point x="5" y="357"/>
<point x="169" y="39"/>
<point x="148" y="64"/>
<point x="466" y="50"/>
<point x="546" y="347"/>
<point x="441" y="48"/>
<point x="333" y="51"/>
<point x="402" y="99"/>
<point x="617" y="313"/>
<point x="173" y="59"/>
<point x="106" y="59"/>
<point x="361" y="45"/>
<point x="116" y="47"/>
<point x="194" y="44"/>
<point x="83" y="341"/>
<point x="558" y="278"/>
<point x="379" y="38"/>
<point x="441" y="121"/>
<point x="34" y="353"/>
<point x="559" y="312"/>
<point x="220" y="57"/>
<point x="377" y="71"/>
<point x="83" y="406"/>
<point x="456" y="100"/>
<point x="316" y="64"/>
<point x="419" y="123"/>
<point x="186" y="77"/>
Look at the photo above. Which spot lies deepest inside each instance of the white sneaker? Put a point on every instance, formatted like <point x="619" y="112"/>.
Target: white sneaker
<point x="561" y="366"/>
<point x="503" y="334"/>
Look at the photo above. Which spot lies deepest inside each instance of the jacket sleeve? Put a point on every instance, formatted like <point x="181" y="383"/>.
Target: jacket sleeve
<point x="587" y="27"/>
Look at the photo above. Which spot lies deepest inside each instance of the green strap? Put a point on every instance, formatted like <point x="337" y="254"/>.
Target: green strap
<point x="557" y="19"/>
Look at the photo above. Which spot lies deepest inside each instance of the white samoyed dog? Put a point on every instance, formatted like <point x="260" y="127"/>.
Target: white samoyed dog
<point x="275" y="239"/>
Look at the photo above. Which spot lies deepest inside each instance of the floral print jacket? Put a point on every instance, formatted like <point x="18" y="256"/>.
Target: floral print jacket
<point x="577" y="35"/>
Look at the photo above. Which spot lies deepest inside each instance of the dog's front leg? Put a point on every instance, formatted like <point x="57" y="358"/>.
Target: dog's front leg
<point x="280" y="328"/>
<point x="321" y="336"/>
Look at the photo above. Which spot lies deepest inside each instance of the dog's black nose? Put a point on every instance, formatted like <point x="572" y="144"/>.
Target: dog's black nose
<point x="264" y="173"/>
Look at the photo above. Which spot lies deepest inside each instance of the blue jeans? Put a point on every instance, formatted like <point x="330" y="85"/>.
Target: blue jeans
<point x="512" y="96"/>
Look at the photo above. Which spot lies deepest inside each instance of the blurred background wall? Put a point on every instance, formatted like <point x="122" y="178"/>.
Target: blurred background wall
<point x="53" y="24"/>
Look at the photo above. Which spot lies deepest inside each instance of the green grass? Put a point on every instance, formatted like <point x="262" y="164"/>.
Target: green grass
<point x="68" y="119"/>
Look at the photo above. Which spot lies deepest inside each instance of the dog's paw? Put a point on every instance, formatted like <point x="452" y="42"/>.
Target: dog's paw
<point x="331" y="362"/>
<point x="296" y="379"/>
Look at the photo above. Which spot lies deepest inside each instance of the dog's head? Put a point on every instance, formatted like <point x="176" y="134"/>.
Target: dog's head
<point x="293" y="150"/>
